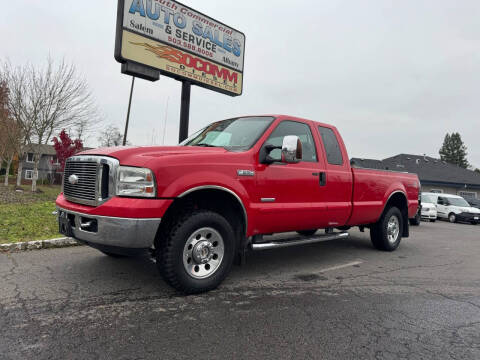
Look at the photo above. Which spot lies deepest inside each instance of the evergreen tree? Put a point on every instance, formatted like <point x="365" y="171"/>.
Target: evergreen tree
<point x="454" y="150"/>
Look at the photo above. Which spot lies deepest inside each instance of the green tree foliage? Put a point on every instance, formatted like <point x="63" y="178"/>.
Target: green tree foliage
<point x="477" y="171"/>
<point x="454" y="150"/>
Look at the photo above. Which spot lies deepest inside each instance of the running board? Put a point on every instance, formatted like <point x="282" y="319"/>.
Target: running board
<point x="298" y="241"/>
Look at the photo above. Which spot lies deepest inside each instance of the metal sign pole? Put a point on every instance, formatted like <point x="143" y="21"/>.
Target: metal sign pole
<point x="128" y="112"/>
<point x="184" y="111"/>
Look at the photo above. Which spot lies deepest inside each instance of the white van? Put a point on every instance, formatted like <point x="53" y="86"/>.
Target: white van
<point x="455" y="208"/>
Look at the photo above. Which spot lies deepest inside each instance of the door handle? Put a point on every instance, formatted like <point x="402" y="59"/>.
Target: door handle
<point x="323" y="179"/>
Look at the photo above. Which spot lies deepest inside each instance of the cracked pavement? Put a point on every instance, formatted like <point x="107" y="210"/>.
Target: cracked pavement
<point x="333" y="300"/>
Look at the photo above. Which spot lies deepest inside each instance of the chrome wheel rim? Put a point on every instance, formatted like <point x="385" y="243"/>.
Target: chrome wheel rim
<point x="203" y="253"/>
<point x="393" y="229"/>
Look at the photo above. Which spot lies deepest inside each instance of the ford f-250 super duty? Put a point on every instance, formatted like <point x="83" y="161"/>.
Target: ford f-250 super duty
<point x="200" y="205"/>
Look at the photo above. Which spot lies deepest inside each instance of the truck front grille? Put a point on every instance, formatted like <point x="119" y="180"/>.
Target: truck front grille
<point x="89" y="180"/>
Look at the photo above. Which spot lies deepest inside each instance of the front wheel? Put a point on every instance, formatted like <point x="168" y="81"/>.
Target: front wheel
<point x="196" y="252"/>
<point x="452" y="218"/>
<point x="386" y="234"/>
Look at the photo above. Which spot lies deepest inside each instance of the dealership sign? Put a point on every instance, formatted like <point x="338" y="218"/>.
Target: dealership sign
<point x="181" y="43"/>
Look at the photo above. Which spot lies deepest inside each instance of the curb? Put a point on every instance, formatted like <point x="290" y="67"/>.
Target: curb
<point x="39" y="244"/>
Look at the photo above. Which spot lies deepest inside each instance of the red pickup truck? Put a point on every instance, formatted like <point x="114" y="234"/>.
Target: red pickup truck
<point x="199" y="206"/>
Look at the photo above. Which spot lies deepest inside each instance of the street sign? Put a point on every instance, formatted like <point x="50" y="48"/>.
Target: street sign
<point x="179" y="42"/>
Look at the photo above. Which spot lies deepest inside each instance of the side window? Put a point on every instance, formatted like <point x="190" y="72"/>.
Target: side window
<point x="293" y="128"/>
<point x="332" y="147"/>
<point x="440" y="200"/>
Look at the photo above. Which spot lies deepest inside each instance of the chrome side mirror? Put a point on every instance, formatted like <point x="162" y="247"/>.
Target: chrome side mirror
<point x="291" y="149"/>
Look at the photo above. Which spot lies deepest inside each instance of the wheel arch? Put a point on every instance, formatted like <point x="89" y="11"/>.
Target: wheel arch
<point x="398" y="198"/>
<point x="217" y="198"/>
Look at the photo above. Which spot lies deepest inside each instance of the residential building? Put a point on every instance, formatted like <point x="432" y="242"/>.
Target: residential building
<point x="47" y="167"/>
<point x="435" y="175"/>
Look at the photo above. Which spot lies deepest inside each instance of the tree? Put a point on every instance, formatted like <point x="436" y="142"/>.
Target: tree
<point x="45" y="100"/>
<point x="477" y="170"/>
<point x="111" y="136"/>
<point x="10" y="132"/>
<point x="66" y="147"/>
<point x="454" y="150"/>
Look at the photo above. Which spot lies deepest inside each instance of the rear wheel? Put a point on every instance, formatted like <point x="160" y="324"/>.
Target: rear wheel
<point x="386" y="234"/>
<point x="452" y="218"/>
<point x="196" y="252"/>
<point x="307" y="232"/>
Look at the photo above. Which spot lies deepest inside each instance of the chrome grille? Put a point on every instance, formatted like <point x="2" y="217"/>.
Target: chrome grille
<point x="96" y="179"/>
<point x="85" y="190"/>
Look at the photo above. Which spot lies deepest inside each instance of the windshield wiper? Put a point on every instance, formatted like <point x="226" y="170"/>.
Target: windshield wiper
<point x="206" y="145"/>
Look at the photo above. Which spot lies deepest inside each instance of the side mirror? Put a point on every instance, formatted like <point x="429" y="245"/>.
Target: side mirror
<point x="291" y="149"/>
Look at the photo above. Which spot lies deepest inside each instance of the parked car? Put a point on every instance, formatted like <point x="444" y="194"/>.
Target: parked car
<point x="200" y="205"/>
<point x="429" y="209"/>
<point x="455" y="208"/>
<point x="474" y="203"/>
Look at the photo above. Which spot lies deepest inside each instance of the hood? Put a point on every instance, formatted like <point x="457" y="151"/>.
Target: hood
<point x="468" y="209"/>
<point x="141" y="155"/>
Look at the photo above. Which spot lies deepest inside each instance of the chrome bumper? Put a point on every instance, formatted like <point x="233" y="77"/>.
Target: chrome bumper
<point x="112" y="231"/>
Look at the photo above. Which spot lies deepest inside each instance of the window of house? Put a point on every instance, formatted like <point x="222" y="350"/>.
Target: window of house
<point x="29" y="174"/>
<point x="30" y="157"/>
<point x="468" y="194"/>
<point x="299" y="129"/>
<point x="331" y="145"/>
<point x="54" y="160"/>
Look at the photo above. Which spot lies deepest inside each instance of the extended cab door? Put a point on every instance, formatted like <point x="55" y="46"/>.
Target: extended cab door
<point x="290" y="196"/>
<point x="339" y="179"/>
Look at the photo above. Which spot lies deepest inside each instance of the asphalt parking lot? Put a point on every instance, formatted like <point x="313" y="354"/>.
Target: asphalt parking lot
<point x="332" y="300"/>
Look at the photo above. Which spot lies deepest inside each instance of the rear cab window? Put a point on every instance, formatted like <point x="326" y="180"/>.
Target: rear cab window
<point x="331" y="146"/>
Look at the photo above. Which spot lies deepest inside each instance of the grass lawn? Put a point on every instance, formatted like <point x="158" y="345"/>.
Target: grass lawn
<point x="26" y="216"/>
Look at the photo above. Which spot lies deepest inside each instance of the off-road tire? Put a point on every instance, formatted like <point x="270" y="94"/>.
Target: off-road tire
<point x="307" y="232"/>
<point x="379" y="234"/>
<point x="170" y="251"/>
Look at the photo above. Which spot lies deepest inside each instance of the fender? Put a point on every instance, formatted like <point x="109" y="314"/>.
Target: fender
<point x="207" y="180"/>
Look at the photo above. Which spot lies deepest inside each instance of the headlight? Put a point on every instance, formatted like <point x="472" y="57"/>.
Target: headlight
<point x="132" y="181"/>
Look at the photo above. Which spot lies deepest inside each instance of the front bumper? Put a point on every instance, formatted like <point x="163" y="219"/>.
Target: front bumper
<point x="132" y="233"/>
<point x="468" y="217"/>
<point x="429" y="214"/>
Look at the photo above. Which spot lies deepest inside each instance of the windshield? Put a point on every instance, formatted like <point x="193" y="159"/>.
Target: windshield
<point x="239" y="133"/>
<point x="428" y="199"/>
<point x="458" y="202"/>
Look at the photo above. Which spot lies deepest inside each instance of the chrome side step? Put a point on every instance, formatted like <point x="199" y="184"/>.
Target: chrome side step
<point x="298" y="241"/>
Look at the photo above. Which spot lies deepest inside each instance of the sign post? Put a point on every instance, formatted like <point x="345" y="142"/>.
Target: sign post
<point x="184" y="111"/>
<point x="156" y="37"/>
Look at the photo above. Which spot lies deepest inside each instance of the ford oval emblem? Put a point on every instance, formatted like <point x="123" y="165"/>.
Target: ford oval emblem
<point x="73" y="179"/>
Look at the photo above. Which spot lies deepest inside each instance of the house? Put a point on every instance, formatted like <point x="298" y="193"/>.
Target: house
<point x="435" y="175"/>
<point x="47" y="167"/>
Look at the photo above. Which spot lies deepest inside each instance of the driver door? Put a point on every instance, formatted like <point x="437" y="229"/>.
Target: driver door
<point x="289" y="196"/>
